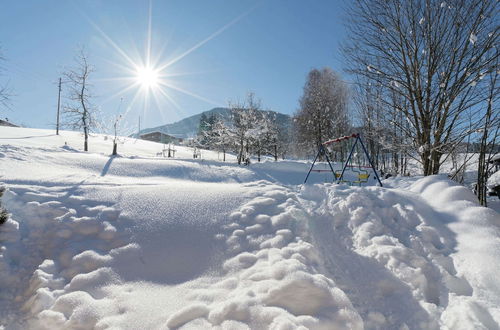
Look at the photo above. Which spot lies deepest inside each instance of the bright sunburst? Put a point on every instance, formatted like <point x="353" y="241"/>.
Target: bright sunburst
<point x="147" y="78"/>
<point x="146" y="74"/>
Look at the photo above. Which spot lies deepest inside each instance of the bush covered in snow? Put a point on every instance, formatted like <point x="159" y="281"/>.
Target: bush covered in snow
<point x="4" y="215"/>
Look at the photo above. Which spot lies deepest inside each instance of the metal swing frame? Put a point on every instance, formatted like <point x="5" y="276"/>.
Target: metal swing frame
<point x="322" y="152"/>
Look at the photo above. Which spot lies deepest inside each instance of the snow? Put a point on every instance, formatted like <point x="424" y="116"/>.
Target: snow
<point x="144" y="242"/>
<point x="494" y="180"/>
<point x="473" y="38"/>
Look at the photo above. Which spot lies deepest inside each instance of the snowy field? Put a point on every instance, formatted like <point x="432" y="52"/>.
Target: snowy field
<point x="145" y="242"/>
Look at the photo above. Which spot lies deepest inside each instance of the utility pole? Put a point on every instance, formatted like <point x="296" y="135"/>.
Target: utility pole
<point x="58" y="106"/>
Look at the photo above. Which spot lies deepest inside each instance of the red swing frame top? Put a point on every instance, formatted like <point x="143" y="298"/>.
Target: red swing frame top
<point x="342" y="138"/>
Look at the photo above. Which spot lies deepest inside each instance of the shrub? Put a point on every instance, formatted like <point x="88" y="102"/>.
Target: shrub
<point x="3" y="212"/>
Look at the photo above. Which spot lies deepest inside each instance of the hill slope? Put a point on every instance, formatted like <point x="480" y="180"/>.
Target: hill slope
<point x="188" y="127"/>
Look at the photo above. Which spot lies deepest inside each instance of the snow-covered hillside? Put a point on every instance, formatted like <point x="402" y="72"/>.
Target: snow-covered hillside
<point x="144" y="242"/>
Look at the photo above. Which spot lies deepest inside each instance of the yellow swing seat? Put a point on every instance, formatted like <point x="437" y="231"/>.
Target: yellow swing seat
<point x="362" y="178"/>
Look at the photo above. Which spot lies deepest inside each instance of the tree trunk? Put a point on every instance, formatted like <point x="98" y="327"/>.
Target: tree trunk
<point x="86" y="143"/>
<point x="436" y="161"/>
<point x="240" y="155"/>
<point x="426" y="162"/>
<point x="114" y="148"/>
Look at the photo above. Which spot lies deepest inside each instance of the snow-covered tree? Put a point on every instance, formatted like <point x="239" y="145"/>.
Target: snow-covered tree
<point x="245" y="117"/>
<point x="205" y="130"/>
<point x="433" y="55"/>
<point x="271" y="138"/>
<point x="220" y="136"/>
<point x="79" y="111"/>
<point x="323" y="109"/>
<point x="202" y="129"/>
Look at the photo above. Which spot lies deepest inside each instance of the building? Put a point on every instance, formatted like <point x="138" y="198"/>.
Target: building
<point x="160" y="137"/>
<point x="6" y="122"/>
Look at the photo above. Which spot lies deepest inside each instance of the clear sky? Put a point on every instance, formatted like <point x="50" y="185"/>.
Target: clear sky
<point x="212" y="52"/>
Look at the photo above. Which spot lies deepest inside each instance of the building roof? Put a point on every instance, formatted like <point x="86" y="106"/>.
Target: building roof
<point x="7" y="123"/>
<point x="177" y="136"/>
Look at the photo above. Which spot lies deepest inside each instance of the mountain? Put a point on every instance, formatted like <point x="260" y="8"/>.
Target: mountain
<point x="188" y="127"/>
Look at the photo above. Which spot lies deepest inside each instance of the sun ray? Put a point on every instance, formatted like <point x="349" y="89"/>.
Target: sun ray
<point x="171" y="100"/>
<point x="117" y="79"/>
<point x="145" y="108"/>
<point x="157" y="104"/>
<point x="148" y="46"/>
<point x="132" y="102"/>
<point x="204" y="41"/>
<point x="183" y="74"/>
<point x="120" y="66"/>
<point x="111" y="42"/>
<point x="199" y="97"/>
<point x="120" y="93"/>
<point x="146" y="73"/>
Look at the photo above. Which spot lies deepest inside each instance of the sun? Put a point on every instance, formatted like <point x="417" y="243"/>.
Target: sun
<point x="150" y="75"/>
<point x="147" y="77"/>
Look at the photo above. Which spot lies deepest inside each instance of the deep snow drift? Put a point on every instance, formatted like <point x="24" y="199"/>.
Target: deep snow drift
<point x="142" y="242"/>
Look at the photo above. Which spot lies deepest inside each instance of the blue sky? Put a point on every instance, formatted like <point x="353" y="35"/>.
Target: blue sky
<point x="266" y="47"/>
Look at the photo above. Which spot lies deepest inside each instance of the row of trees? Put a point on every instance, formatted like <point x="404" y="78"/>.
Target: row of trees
<point x="249" y="131"/>
<point x="425" y="86"/>
<point x="426" y="78"/>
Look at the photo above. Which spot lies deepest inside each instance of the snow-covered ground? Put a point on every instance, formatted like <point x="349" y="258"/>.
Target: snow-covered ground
<point x="144" y="242"/>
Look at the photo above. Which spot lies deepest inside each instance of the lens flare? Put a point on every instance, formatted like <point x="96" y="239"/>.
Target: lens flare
<point x="151" y="74"/>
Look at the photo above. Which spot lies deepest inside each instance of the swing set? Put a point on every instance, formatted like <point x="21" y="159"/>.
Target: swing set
<point x="361" y="171"/>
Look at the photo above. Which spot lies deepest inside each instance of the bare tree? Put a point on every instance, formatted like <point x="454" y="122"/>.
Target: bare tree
<point x="79" y="111"/>
<point x="433" y="54"/>
<point x="116" y="128"/>
<point x="323" y="109"/>
<point x="115" y="137"/>
<point x="4" y="92"/>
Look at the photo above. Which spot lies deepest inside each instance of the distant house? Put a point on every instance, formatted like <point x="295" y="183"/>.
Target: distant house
<point x="160" y="137"/>
<point x="6" y="122"/>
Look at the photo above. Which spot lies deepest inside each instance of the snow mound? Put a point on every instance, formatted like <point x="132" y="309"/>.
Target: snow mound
<point x="97" y="242"/>
<point x="270" y="277"/>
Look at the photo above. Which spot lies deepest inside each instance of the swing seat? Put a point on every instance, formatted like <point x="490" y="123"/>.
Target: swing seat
<point x="362" y="178"/>
<point x="337" y="176"/>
